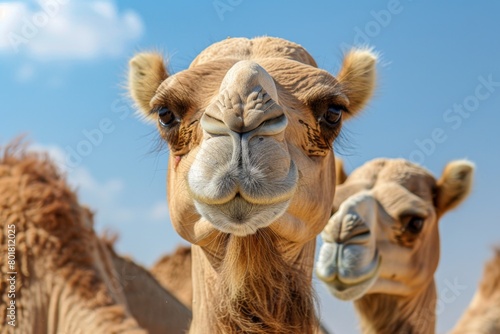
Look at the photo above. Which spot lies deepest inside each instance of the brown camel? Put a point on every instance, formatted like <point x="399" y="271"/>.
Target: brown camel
<point x="64" y="278"/>
<point x="155" y="307"/>
<point x="251" y="176"/>
<point x="173" y="271"/>
<point x="483" y="314"/>
<point x="381" y="247"/>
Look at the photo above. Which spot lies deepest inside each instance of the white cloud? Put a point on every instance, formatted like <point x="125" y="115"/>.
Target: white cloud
<point x="67" y="29"/>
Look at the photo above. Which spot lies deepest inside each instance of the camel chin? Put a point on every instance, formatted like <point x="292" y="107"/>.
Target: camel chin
<point x="239" y="217"/>
<point x="349" y="271"/>
<point x="348" y="292"/>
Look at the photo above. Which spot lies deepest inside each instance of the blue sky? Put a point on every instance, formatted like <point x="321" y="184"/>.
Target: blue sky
<point x="62" y="76"/>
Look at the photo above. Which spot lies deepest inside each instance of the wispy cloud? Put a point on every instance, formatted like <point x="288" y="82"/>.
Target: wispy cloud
<point x="159" y="212"/>
<point x="67" y="29"/>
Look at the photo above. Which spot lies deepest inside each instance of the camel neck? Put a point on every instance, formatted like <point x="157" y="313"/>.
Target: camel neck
<point x="382" y="313"/>
<point x="257" y="287"/>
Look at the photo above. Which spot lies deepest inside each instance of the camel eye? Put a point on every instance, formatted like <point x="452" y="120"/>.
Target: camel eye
<point x="415" y="225"/>
<point x="166" y="117"/>
<point x="333" y="115"/>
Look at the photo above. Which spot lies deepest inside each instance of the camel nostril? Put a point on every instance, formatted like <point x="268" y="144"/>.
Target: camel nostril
<point x="358" y="237"/>
<point x="260" y="126"/>
<point x="273" y="126"/>
<point x="213" y="126"/>
<point x="351" y="219"/>
<point x="256" y="121"/>
<point x="352" y="229"/>
<point x="247" y="100"/>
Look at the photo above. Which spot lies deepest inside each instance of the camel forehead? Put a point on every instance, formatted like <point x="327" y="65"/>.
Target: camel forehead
<point x="399" y="172"/>
<point x="256" y="48"/>
<point x="296" y="82"/>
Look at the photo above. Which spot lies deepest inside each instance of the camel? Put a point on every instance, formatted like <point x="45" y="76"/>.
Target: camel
<point x="251" y="174"/>
<point x="155" y="307"/>
<point x="173" y="271"/>
<point x="483" y="314"/>
<point x="64" y="279"/>
<point x="381" y="246"/>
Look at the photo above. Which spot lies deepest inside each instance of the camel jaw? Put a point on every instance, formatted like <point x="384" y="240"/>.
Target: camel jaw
<point x="240" y="217"/>
<point x="345" y="279"/>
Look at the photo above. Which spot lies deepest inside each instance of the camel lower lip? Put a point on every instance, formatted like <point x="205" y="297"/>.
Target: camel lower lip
<point x="350" y="292"/>
<point x="241" y="217"/>
<point x="349" y="288"/>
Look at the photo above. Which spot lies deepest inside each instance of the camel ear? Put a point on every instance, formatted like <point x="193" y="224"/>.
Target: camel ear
<point x="146" y="73"/>
<point x="454" y="185"/>
<point x="340" y="174"/>
<point x="358" y="75"/>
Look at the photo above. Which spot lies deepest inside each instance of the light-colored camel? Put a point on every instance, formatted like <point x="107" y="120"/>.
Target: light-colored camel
<point x="65" y="280"/>
<point x="250" y="126"/>
<point x="173" y="271"/>
<point x="483" y="314"/>
<point x="155" y="307"/>
<point x="381" y="247"/>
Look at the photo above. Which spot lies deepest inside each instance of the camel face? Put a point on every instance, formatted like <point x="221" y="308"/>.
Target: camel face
<point x="383" y="237"/>
<point x="250" y="127"/>
<point x="251" y="176"/>
<point x="243" y="176"/>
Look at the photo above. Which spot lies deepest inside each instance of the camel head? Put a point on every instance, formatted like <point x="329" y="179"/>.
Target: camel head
<point x="383" y="237"/>
<point x="250" y="126"/>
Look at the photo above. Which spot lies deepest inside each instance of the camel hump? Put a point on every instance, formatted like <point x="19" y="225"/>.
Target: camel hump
<point x="256" y="48"/>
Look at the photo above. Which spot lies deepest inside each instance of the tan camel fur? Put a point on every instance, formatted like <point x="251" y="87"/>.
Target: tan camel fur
<point x="155" y="308"/>
<point x="381" y="247"/>
<point x="483" y="314"/>
<point x="63" y="276"/>
<point x="68" y="280"/>
<point x="250" y="126"/>
<point x="173" y="271"/>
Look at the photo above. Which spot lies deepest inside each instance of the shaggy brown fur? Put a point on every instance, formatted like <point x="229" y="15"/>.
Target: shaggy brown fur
<point x="173" y="271"/>
<point x="273" y="301"/>
<point x="243" y="275"/>
<point x="54" y="251"/>
<point x="483" y="314"/>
